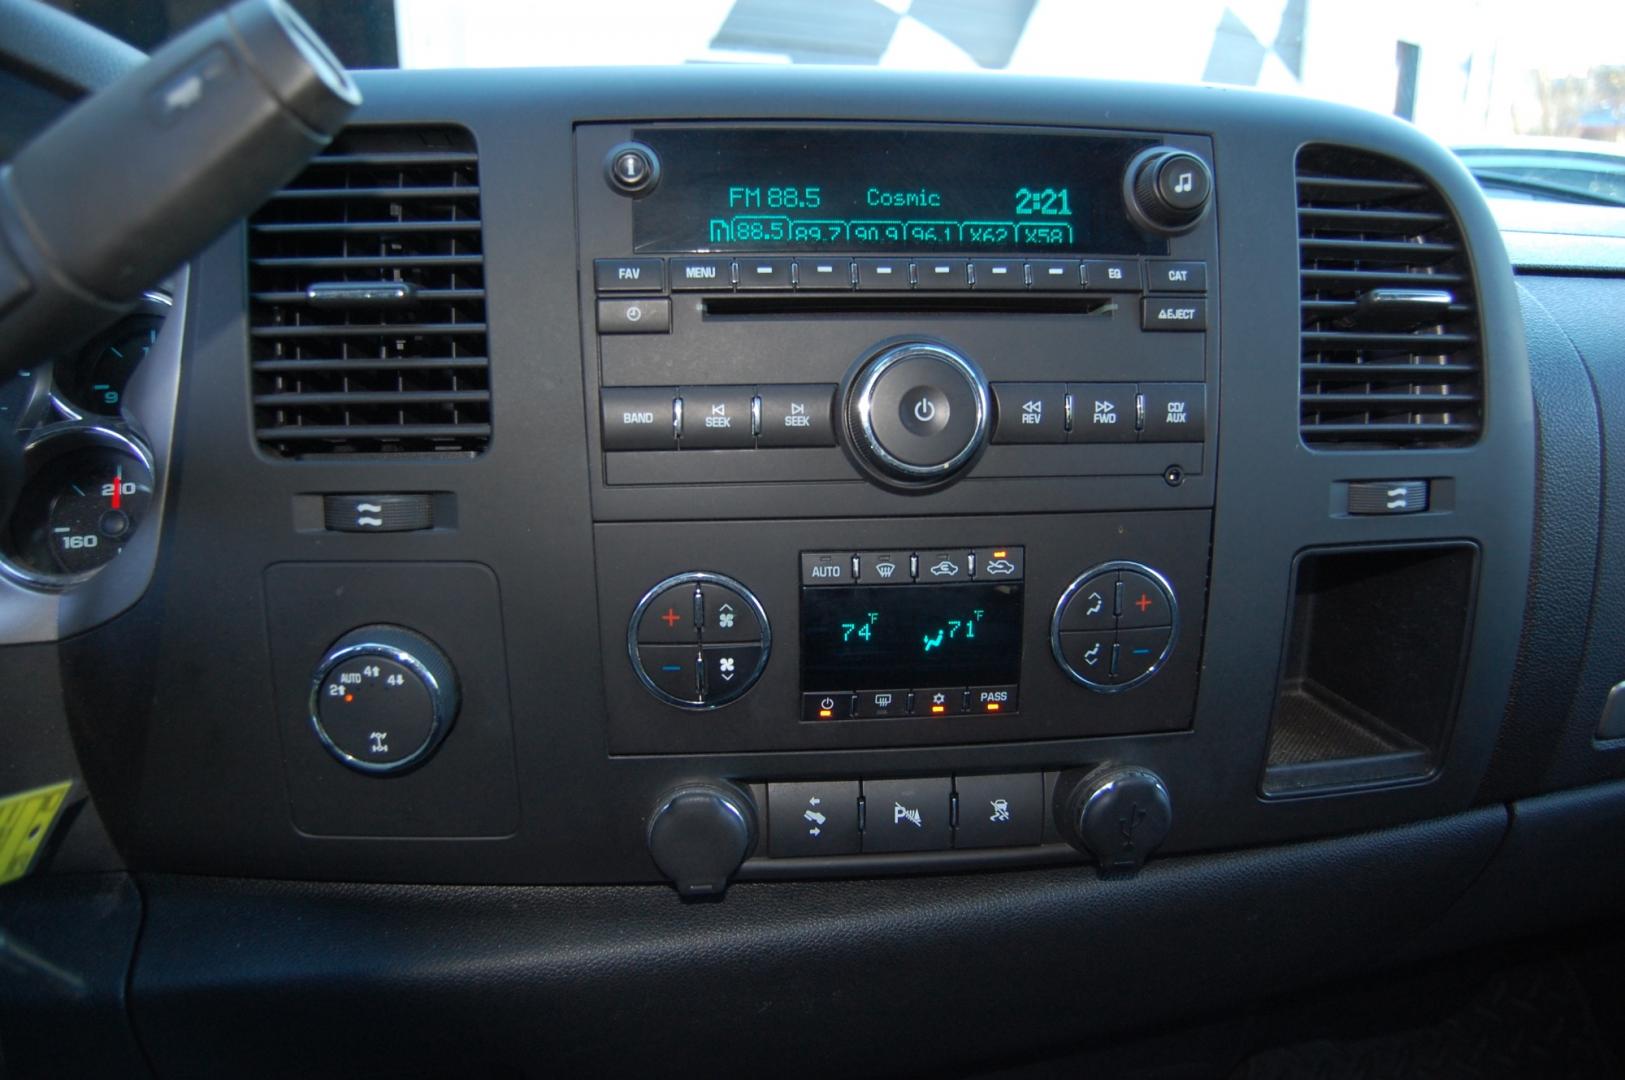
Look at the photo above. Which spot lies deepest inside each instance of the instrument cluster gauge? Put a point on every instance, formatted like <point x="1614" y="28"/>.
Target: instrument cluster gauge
<point x="23" y="396"/>
<point x="87" y="493"/>
<point x="91" y="383"/>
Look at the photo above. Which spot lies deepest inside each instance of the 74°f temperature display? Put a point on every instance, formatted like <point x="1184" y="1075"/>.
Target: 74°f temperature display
<point x="876" y="637"/>
<point x="857" y="190"/>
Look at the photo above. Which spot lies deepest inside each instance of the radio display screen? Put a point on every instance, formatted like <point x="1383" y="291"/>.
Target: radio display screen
<point x="882" y="637"/>
<point x="892" y="190"/>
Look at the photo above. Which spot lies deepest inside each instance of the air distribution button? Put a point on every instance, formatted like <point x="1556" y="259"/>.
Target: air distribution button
<point x="917" y="413"/>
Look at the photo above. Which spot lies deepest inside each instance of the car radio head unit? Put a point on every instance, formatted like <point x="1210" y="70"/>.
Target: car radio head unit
<point x="744" y="189"/>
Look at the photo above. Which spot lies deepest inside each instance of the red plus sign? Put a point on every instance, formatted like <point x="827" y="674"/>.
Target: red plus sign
<point x="1142" y="603"/>
<point x="671" y="617"/>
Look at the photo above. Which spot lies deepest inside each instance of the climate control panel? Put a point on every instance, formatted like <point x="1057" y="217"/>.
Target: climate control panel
<point x="790" y="635"/>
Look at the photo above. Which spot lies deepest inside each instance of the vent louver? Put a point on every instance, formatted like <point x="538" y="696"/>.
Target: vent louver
<point x="367" y="300"/>
<point x="1391" y="354"/>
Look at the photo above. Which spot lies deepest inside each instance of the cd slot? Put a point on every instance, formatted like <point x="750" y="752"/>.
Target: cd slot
<point x="744" y="306"/>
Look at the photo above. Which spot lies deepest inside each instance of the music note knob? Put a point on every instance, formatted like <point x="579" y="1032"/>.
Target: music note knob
<point x="1168" y="191"/>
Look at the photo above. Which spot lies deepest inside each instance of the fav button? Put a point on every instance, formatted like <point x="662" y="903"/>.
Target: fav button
<point x="812" y="819"/>
<point x="629" y="275"/>
<point x="906" y="815"/>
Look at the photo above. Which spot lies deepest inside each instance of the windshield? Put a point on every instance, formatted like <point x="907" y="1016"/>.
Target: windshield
<point x="1509" y="75"/>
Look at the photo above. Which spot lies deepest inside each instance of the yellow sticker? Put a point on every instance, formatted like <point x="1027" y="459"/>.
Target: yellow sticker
<point x="25" y="822"/>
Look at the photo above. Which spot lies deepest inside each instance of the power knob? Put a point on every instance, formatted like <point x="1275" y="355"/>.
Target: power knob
<point x="383" y="699"/>
<point x="916" y="414"/>
<point x="1168" y="191"/>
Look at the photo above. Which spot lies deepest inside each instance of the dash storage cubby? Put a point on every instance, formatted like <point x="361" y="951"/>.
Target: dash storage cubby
<point x="1372" y="668"/>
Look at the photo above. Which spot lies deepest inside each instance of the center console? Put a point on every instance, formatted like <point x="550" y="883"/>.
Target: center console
<point x="718" y="475"/>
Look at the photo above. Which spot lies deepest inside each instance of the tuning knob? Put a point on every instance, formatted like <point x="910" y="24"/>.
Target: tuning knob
<point x="1168" y="191"/>
<point x="1119" y="814"/>
<point x="383" y="699"/>
<point x="699" y="834"/>
<point x="917" y="413"/>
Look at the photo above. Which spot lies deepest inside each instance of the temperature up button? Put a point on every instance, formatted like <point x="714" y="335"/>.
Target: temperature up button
<point x="383" y="699"/>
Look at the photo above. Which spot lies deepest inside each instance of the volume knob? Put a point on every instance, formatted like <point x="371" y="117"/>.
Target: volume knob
<point x="917" y="413"/>
<point x="1168" y="191"/>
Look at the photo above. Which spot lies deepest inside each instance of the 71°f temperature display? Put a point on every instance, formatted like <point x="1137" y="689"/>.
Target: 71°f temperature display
<point x="877" y="637"/>
<point x="753" y="189"/>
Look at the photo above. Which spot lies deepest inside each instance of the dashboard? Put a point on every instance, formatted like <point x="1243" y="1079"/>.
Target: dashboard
<point x="919" y="519"/>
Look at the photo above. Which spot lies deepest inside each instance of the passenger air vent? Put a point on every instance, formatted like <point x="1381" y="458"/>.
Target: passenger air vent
<point x="1391" y="353"/>
<point x="367" y="300"/>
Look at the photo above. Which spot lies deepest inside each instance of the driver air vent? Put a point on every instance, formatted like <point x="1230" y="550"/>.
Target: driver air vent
<point x="367" y="300"/>
<point x="1391" y="355"/>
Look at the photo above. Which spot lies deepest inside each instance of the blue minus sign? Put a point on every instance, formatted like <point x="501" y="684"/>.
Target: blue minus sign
<point x="1142" y="652"/>
<point x="671" y="667"/>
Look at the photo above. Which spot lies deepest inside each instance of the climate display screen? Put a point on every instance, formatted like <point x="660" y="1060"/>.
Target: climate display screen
<point x="850" y="190"/>
<point x="884" y="637"/>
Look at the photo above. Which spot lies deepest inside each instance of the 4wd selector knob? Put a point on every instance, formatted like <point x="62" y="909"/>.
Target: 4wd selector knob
<point x="917" y="413"/>
<point x="383" y="699"/>
<point x="1168" y="190"/>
